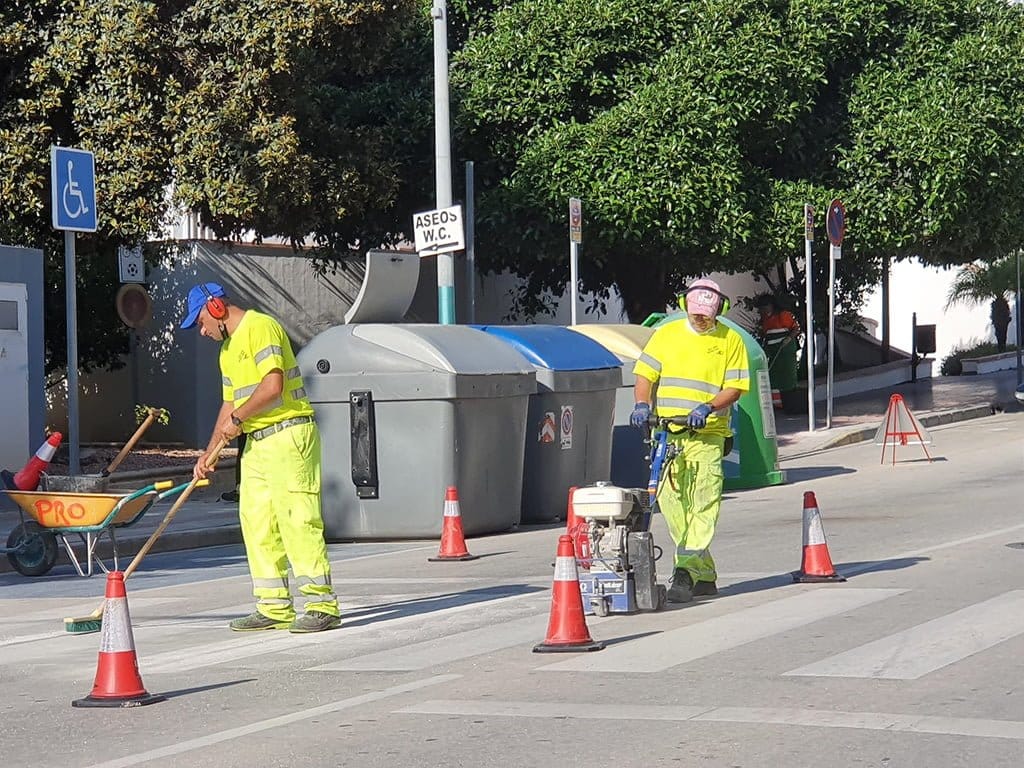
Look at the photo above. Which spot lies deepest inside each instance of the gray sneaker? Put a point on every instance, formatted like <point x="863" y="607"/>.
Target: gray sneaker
<point x="681" y="590"/>
<point x="255" y="621"/>
<point x="314" y="621"/>
<point x="705" y="589"/>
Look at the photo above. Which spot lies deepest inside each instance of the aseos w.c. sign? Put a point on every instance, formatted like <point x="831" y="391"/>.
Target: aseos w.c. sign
<point x="439" y="231"/>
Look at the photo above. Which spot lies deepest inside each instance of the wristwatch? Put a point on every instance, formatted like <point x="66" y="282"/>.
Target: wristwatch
<point x="235" y="420"/>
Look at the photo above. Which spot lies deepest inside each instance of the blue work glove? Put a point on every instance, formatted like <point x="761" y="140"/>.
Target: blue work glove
<point x="641" y="415"/>
<point x="698" y="417"/>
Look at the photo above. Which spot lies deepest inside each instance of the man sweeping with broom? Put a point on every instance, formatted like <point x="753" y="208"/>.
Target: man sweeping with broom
<point x="279" y="493"/>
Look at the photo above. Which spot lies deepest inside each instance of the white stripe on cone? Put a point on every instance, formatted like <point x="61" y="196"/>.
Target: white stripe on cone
<point x="451" y="509"/>
<point x="117" y="627"/>
<point x="46" y="452"/>
<point x="814" y="533"/>
<point x="565" y="569"/>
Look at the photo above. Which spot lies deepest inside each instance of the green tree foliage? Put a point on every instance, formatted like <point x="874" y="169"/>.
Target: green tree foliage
<point x="695" y="131"/>
<point x="302" y="119"/>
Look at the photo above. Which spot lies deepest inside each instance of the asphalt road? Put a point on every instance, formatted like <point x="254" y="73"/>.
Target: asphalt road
<point x="913" y="662"/>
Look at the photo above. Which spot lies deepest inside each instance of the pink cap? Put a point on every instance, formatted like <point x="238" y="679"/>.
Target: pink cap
<point x="703" y="297"/>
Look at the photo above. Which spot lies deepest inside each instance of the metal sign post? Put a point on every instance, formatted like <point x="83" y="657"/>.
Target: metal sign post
<point x="835" y="225"/>
<point x="809" y="313"/>
<point x="443" y="159"/>
<point x="470" y="243"/>
<point x="575" y="238"/>
<point x="73" y="209"/>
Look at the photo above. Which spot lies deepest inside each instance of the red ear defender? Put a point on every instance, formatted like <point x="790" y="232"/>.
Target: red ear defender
<point x="215" y="305"/>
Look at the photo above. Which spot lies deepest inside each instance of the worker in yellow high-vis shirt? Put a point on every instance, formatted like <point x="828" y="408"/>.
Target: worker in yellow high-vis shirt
<point x="279" y="492"/>
<point x="695" y="368"/>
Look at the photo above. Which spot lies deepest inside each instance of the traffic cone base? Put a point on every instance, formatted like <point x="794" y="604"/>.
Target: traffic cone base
<point x="453" y="542"/>
<point x="802" y="578"/>
<point x="118" y="683"/>
<point x="816" y="567"/>
<point x="567" y="626"/>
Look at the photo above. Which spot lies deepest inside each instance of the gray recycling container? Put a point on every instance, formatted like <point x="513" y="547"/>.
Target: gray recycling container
<point x="630" y="467"/>
<point x="406" y="411"/>
<point x="569" y="423"/>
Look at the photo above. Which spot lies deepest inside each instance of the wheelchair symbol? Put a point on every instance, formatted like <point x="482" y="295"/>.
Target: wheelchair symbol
<point x="72" y="191"/>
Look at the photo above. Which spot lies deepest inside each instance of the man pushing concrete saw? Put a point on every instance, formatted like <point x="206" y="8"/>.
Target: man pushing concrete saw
<point x="700" y="368"/>
<point x="279" y="492"/>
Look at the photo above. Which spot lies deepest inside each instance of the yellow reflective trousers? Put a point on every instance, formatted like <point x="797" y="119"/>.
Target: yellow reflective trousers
<point x="279" y="511"/>
<point x="690" y="499"/>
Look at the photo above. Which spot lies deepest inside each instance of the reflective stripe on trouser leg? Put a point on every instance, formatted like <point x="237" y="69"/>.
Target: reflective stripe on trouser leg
<point x="691" y="507"/>
<point x="291" y="458"/>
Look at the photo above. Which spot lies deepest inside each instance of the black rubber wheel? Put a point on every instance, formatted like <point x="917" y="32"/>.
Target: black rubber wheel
<point x="662" y="596"/>
<point x="33" y="549"/>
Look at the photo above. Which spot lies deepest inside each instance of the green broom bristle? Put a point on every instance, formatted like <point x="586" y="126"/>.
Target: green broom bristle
<point x="83" y="625"/>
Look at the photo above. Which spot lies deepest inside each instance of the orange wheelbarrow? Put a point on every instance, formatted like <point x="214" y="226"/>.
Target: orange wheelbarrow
<point x="32" y="547"/>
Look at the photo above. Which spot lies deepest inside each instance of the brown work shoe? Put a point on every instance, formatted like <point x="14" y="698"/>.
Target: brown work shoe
<point x="314" y="621"/>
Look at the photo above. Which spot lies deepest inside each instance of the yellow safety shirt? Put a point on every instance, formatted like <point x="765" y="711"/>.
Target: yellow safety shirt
<point x="258" y="346"/>
<point x="690" y="368"/>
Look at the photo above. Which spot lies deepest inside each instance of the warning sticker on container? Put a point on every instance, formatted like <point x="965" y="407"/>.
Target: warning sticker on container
<point x="547" y="428"/>
<point x="764" y="396"/>
<point x="566" y="424"/>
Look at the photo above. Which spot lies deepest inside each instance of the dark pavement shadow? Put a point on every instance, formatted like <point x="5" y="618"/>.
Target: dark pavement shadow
<point x="756" y="585"/>
<point x="626" y="638"/>
<point x="803" y="474"/>
<point x="860" y="567"/>
<point x="201" y="688"/>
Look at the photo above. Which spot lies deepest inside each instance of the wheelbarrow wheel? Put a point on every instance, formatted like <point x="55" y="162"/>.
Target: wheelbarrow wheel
<point x="31" y="549"/>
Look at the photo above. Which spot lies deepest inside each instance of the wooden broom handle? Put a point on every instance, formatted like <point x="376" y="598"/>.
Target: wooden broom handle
<point x="171" y="513"/>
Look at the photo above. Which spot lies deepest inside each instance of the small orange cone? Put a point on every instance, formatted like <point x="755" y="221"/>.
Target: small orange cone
<point x="567" y="627"/>
<point x="118" y="683"/>
<point x="28" y="478"/>
<point x="453" y="543"/>
<point x="817" y="564"/>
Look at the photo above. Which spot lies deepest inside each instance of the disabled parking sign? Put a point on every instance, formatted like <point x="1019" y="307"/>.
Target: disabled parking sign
<point x="73" y="189"/>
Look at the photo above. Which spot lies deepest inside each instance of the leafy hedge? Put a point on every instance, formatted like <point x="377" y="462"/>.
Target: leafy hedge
<point x="952" y="363"/>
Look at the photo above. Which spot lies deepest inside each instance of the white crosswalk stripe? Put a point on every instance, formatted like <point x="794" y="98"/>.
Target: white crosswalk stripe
<point x="924" y="648"/>
<point x="679" y="646"/>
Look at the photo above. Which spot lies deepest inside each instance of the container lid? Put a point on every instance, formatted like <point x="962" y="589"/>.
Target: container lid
<point x="626" y="341"/>
<point x="555" y="347"/>
<point x="403" y="348"/>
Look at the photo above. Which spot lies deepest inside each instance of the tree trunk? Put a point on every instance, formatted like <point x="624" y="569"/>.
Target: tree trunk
<point x="643" y="290"/>
<point x="1000" y="317"/>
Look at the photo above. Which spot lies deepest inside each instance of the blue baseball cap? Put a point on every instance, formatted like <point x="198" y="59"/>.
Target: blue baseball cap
<point x="197" y="298"/>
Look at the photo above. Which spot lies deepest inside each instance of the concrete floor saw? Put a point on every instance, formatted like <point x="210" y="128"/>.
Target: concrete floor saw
<point x="615" y="550"/>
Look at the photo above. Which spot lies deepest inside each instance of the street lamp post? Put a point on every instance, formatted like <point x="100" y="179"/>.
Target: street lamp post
<point x="443" y="159"/>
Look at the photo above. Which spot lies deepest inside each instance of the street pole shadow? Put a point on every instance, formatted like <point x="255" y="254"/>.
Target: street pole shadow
<point x="803" y="474"/>
<point x="201" y="688"/>
<point x="628" y="638"/>
<point x="848" y="570"/>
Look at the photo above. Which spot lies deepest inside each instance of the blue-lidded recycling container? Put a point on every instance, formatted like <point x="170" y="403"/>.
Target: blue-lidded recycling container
<point x="569" y="420"/>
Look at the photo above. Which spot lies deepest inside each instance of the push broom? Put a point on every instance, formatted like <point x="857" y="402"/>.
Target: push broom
<point x="81" y="625"/>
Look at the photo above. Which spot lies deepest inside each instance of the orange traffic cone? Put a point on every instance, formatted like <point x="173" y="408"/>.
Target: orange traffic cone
<point x="118" y="683"/>
<point x="453" y="543"/>
<point x="28" y="478"/>
<point x="577" y="528"/>
<point x="567" y="628"/>
<point x="817" y="564"/>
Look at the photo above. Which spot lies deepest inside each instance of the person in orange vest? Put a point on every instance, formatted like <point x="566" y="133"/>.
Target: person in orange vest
<point x="780" y="333"/>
